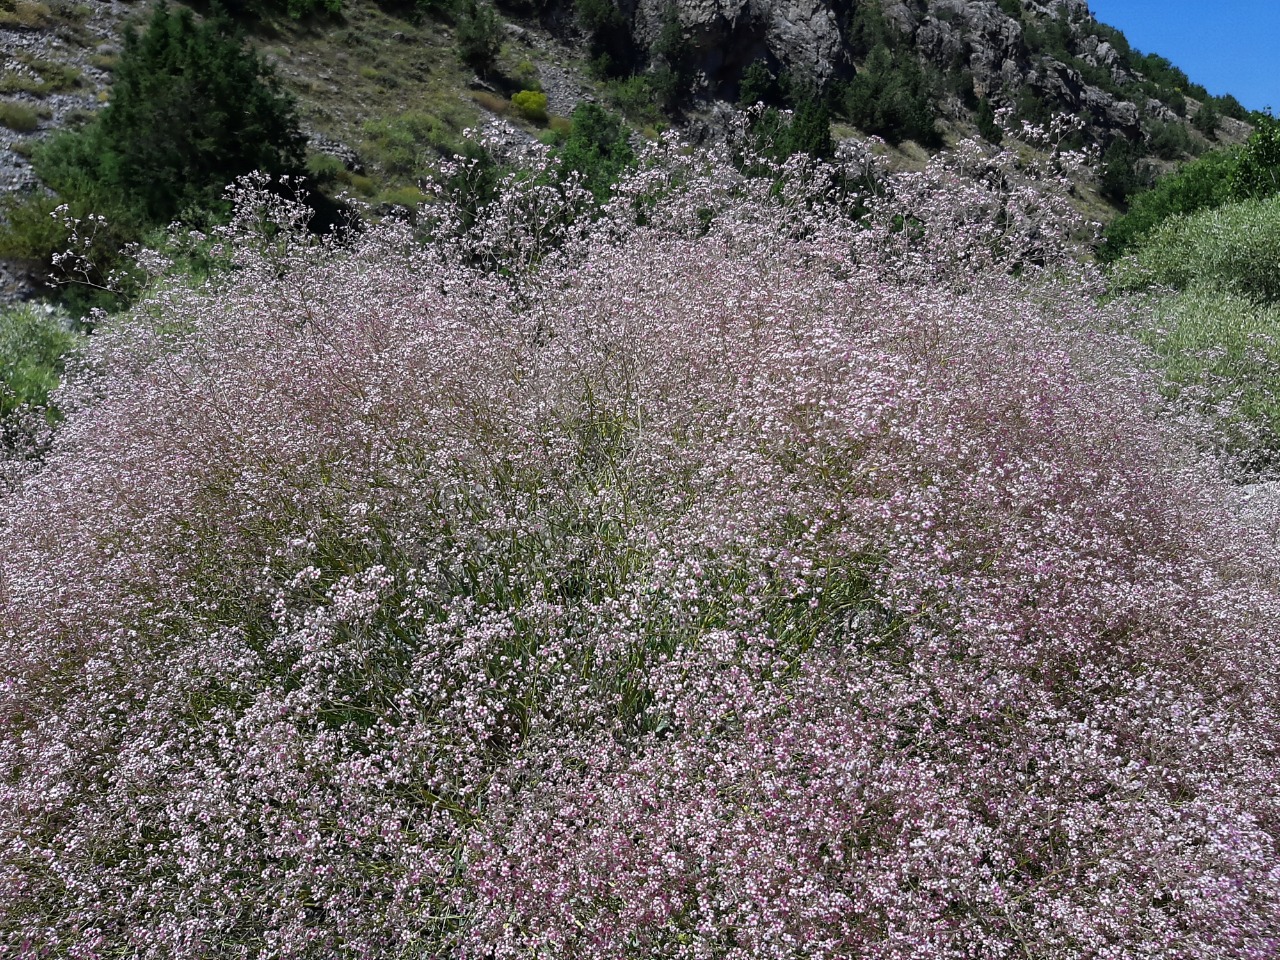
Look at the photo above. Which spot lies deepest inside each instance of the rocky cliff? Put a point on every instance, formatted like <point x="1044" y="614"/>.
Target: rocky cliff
<point x="1010" y="50"/>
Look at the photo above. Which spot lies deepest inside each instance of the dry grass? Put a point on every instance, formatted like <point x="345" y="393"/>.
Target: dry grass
<point x="18" y="116"/>
<point x="24" y="14"/>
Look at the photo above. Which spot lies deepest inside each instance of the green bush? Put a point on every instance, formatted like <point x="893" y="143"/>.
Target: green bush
<point x="1170" y="140"/>
<point x="1198" y="185"/>
<point x="869" y="29"/>
<point x="986" y="120"/>
<point x="597" y="148"/>
<point x="525" y="75"/>
<point x="324" y="168"/>
<point x="1221" y="353"/>
<point x="191" y="110"/>
<point x="637" y="97"/>
<point x="18" y="116"/>
<point x="1206" y="119"/>
<point x="479" y="36"/>
<point x="306" y="8"/>
<point x="404" y="146"/>
<point x="258" y="9"/>
<point x="531" y="104"/>
<point x="51" y="77"/>
<point x="1257" y="173"/>
<point x="775" y="136"/>
<point x="892" y="97"/>
<point x="672" y="56"/>
<point x="759" y="85"/>
<point x="612" y="46"/>
<point x="1228" y="248"/>
<point x="33" y="343"/>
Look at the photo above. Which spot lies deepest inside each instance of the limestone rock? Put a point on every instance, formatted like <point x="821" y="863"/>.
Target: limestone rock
<point x="803" y="36"/>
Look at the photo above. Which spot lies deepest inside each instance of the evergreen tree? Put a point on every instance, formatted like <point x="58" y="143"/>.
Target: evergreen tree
<point x="759" y="85"/>
<point x="1257" y="172"/>
<point x="1120" y="177"/>
<point x="479" y="36"/>
<point x="810" y="130"/>
<point x="674" y="68"/>
<point x="191" y="110"/>
<point x="986" y="120"/>
<point x="1206" y="119"/>
<point x="892" y="97"/>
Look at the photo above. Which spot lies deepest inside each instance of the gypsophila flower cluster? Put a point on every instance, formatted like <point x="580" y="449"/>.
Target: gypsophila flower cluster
<point x="741" y="572"/>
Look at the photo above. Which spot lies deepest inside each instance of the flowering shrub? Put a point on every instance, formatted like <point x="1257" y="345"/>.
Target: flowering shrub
<point x="746" y="572"/>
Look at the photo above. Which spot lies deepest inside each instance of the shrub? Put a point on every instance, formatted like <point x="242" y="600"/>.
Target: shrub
<point x="406" y="145"/>
<point x="479" y="36"/>
<point x="298" y="9"/>
<point x="526" y="76"/>
<point x="1220" y="355"/>
<point x="892" y="98"/>
<point x="869" y="29"/>
<point x="769" y="587"/>
<point x="1170" y="140"/>
<point x="1206" y="120"/>
<point x="531" y="104"/>
<point x="1257" y="173"/>
<point x="51" y="77"/>
<point x="777" y="136"/>
<point x="259" y="9"/>
<point x="1200" y="184"/>
<point x="324" y="168"/>
<point x="613" y="50"/>
<point x="672" y="56"/>
<point x="988" y="128"/>
<point x="760" y="85"/>
<point x="1232" y="247"/>
<point x="26" y="14"/>
<point x="18" y="116"/>
<point x="597" y="149"/>
<point x="33" y="344"/>
<point x="191" y="110"/>
<point x="639" y="97"/>
<point x="408" y="197"/>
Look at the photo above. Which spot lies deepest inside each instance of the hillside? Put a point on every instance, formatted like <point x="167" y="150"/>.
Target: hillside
<point x="383" y="88"/>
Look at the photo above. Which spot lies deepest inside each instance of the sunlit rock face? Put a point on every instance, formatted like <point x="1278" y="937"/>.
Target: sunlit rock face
<point x="811" y="40"/>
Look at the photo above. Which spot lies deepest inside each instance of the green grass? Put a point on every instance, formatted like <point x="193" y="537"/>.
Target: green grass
<point x="50" y="77"/>
<point x="402" y="147"/>
<point x="1217" y="338"/>
<point x="24" y="14"/>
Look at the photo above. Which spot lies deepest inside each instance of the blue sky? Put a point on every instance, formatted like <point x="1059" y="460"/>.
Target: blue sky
<point x="1229" y="46"/>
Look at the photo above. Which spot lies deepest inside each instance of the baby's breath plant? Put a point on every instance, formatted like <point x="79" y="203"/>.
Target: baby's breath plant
<point x="734" y="568"/>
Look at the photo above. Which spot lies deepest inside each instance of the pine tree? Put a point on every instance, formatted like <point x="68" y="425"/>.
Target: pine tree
<point x="191" y="110"/>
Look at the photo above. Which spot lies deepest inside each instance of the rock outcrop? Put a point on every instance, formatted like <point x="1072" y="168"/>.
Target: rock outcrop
<point x="810" y="39"/>
<point x="803" y="36"/>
